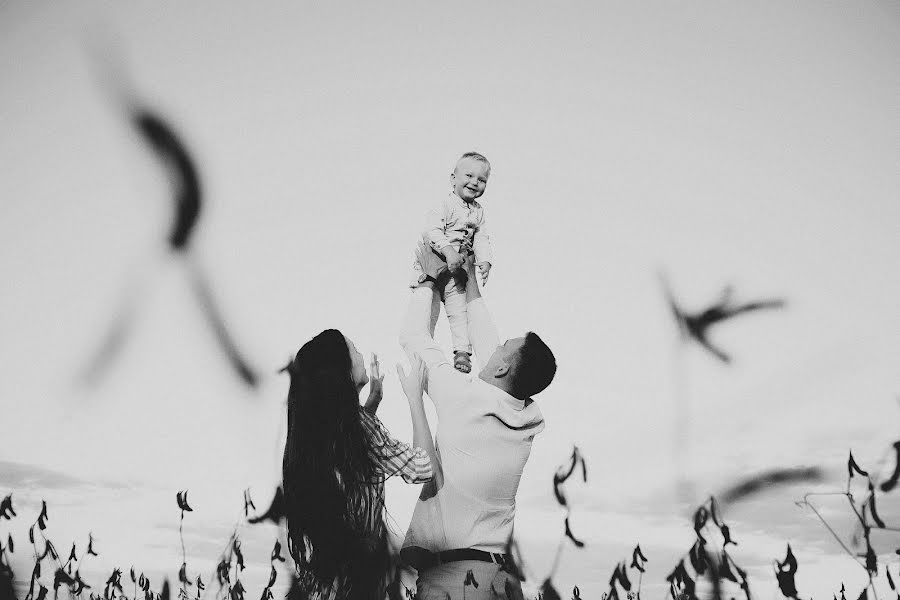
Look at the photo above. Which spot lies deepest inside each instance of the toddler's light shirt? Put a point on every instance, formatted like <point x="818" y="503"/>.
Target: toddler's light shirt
<point x="459" y="224"/>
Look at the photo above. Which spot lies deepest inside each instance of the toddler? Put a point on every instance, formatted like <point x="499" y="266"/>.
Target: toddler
<point x="456" y="230"/>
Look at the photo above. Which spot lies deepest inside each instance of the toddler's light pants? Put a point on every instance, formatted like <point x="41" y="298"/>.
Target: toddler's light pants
<point x="457" y="313"/>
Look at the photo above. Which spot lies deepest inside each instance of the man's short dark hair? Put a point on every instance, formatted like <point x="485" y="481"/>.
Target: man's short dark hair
<point x="535" y="367"/>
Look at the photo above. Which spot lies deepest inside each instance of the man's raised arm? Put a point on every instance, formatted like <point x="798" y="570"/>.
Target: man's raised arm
<point x="416" y="333"/>
<point x="482" y="331"/>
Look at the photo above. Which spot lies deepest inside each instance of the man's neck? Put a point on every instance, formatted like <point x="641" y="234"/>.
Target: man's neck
<point x="501" y="384"/>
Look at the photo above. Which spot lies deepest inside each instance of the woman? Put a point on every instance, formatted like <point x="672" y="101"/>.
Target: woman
<point x="336" y="459"/>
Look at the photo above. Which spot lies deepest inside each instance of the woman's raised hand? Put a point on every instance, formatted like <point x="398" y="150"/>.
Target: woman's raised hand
<point x="376" y="385"/>
<point x="414" y="383"/>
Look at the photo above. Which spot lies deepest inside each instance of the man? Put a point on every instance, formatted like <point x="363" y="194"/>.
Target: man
<point x="486" y="423"/>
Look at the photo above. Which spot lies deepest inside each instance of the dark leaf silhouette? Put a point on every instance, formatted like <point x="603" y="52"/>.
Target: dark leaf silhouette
<point x="726" y="534"/>
<point x="237" y="592"/>
<point x="275" y="512"/>
<point x="80" y="585"/>
<point x="890" y="579"/>
<point x="272" y="576"/>
<point x="133" y="576"/>
<point x="72" y="554"/>
<point x="35" y="575"/>
<point x="679" y="578"/>
<point x="52" y="550"/>
<point x="695" y="326"/>
<point x="90" y="548"/>
<point x="114" y="339"/>
<point x="569" y="535"/>
<point x="200" y="585"/>
<point x="42" y="593"/>
<point x="785" y="572"/>
<point x="638" y="559"/>
<point x="563" y="473"/>
<point x="698" y="557"/>
<point x="60" y="578"/>
<point x="871" y="557"/>
<point x="576" y="593"/>
<point x="872" y="508"/>
<point x="853" y="467"/>
<point x="470" y="579"/>
<point x="557" y="491"/>
<point x="43" y="518"/>
<point x="548" y="592"/>
<point x="182" y="575"/>
<point x="276" y="552"/>
<point x="236" y="545"/>
<point x="182" y="501"/>
<point x="10" y="545"/>
<point x="248" y="503"/>
<point x="169" y="148"/>
<point x="6" y="508"/>
<point x="769" y="479"/>
<point x="214" y="317"/>
<point x="165" y="594"/>
<point x="725" y="571"/>
<point x="141" y="581"/>
<point x="890" y="483"/>
<point x="31" y="534"/>
<point x="113" y="583"/>
<point x="222" y="572"/>
<point x="620" y="576"/>
<point x="700" y="518"/>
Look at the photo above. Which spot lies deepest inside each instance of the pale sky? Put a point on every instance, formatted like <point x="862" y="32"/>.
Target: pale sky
<point x="756" y="145"/>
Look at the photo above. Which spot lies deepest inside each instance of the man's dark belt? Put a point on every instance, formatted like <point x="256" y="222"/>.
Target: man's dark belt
<point x="434" y="559"/>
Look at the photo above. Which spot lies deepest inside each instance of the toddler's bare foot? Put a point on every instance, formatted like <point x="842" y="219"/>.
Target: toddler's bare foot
<point x="462" y="362"/>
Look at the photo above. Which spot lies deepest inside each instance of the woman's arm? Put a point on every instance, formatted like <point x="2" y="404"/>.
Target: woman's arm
<point x="396" y="457"/>
<point x="376" y="386"/>
<point x="413" y="385"/>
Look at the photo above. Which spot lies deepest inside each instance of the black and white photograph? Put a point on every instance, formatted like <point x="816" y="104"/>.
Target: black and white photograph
<point x="588" y="300"/>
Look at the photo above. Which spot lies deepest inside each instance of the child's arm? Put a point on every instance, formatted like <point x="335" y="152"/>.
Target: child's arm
<point x="484" y="252"/>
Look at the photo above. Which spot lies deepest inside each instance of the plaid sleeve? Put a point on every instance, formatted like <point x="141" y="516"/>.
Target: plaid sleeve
<point x="396" y="457"/>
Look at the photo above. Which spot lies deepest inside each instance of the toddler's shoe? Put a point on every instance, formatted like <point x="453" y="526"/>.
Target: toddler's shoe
<point x="462" y="362"/>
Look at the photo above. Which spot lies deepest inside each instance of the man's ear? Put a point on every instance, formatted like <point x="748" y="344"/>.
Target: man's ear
<point x="501" y="371"/>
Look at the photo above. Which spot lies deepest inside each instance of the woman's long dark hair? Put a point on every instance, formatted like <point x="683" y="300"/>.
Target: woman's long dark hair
<point x="333" y="485"/>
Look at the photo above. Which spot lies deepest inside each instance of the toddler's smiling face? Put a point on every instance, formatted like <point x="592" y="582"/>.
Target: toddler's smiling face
<point x="470" y="178"/>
